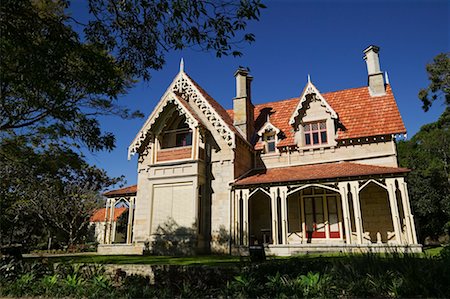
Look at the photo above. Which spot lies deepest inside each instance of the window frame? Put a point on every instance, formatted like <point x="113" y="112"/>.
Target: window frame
<point x="272" y="140"/>
<point x="308" y="135"/>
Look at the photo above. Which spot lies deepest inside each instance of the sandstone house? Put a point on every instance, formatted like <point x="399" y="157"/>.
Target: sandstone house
<point x="313" y="173"/>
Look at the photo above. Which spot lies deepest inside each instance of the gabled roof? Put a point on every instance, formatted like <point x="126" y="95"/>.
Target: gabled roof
<point x="128" y="190"/>
<point x="99" y="215"/>
<point x="360" y="114"/>
<point x="316" y="172"/>
<point x="186" y="89"/>
<point x="311" y="89"/>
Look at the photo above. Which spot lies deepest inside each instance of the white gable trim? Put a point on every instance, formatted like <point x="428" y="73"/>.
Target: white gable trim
<point x="168" y="97"/>
<point x="311" y="89"/>
<point x="268" y="126"/>
<point x="183" y="86"/>
<point x="189" y="92"/>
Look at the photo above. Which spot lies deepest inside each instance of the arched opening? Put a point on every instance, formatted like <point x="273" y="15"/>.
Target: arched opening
<point x="260" y="230"/>
<point x="376" y="214"/>
<point x="314" y="214"/>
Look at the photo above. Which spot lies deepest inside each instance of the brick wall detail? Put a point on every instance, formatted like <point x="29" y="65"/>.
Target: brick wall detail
<point x="174" y="154"/>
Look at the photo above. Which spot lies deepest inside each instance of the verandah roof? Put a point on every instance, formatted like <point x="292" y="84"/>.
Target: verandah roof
<point x="316" y="172"/>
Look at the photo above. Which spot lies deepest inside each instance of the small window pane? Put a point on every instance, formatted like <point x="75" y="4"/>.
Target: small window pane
<point x="307" y="139"/>
<point x="316" y="138"/>
<point x="323" y="136"/>
<point x="306" y="128"/>
<point x="323" y="125"/>
<point x="314" y="126"/>
<point x="271" y="146"/>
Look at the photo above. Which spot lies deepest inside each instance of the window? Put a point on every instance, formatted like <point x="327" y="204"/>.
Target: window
<point x="181" y="135"/>
<point x="183" y="138"/>
<point x="270" y="143"/>
<point x="315" y="133"/>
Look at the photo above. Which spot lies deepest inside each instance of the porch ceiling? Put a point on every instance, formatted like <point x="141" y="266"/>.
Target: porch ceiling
<point x="316" y="172"/>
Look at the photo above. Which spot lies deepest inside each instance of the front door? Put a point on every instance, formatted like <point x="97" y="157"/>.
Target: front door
<point x="321" y="214"/>
<point x="315" y="224"/>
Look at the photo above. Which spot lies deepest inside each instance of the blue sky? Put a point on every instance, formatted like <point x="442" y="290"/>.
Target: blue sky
<point x="293" y="39"/>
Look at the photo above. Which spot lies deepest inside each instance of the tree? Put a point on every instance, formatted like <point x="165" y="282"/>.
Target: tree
<point x="428" y="155"/>
<point x="47" y="193"/>
<point x="54" y="83"/>
<point x="439" y="76"/>
<point x="57" y="75"/>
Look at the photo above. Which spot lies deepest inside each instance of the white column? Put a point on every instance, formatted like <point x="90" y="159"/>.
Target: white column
<point x="325" y="217"/>
<point x="284" y="215"/>
<point x="409" y="218"/>
<point x="130" y="219"/>
<point x="345" y="211"/>
<point x="112" y="230"/>
<point x="274" y="209"/>
<point x="245" y="217"/>
<point x="390" y="184"/>
<point x="237" y="196"/>
<point x="303" y="224"/>
<point x="357" y="211"/>
<point x="106" y="228"/>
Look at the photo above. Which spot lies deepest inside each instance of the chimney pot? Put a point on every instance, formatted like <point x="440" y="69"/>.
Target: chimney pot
<point x="242" y="104"/>
<point x="375" y="75"/>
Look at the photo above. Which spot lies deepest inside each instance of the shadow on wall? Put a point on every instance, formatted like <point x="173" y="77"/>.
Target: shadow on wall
<point x="172" y="239"/>
<point x="221" y="241"/>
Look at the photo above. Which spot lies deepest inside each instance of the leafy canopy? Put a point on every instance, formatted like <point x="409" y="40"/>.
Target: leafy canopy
<point x="58" y="75"/>
<point x="439" y="76"/>
<point x="428" y="155"/>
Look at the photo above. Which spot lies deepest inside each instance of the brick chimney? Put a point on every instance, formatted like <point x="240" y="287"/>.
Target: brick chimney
<point x="375" y="75"/>
<point x="242" y="104"/>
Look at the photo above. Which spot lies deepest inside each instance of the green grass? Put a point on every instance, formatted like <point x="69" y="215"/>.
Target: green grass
<point x="434" y="251"/>
<point x="207" y="260"/>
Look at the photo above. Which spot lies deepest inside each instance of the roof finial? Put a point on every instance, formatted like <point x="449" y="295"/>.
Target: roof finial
<point x="309" y="78"/>
<point x="386" y="77"/>
<point x="181" y="65"/>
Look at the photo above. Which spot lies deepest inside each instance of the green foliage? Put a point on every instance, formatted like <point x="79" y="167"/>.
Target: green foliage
<point x="46" y="193"/>
<point x="428" y="155"/>
<point x="55" y="83"/>
<point x="142" y="32"/>
<point x="66" y="86"/>
<point x="439" y="76"/>
<point x="369" y="275"/>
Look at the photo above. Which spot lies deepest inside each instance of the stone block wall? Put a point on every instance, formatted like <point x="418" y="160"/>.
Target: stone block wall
<point x="376" y="213"/>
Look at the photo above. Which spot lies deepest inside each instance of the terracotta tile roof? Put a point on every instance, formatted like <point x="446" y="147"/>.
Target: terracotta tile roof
<point x="316" y="172"/>
<point x="217" y="107"/>
<point x="360" y="114"/>
<point x="129" y="190"/>
<point x="99" y="215"/>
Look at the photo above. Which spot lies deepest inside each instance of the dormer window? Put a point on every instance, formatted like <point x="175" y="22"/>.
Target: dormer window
<point x="270" y="141"/>
<point x="269" y="137"/>
<point x="315" y="133"/>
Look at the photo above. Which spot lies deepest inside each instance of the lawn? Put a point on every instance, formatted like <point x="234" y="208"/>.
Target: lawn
<point x="207" y="260"/>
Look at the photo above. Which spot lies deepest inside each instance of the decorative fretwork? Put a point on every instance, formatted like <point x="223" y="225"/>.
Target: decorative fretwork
<point x="146" y="130"/>
<point x="264" y="189"/>
<point x="363" y="183"/>
<point x="311" y="91"/>
<point x="189" y="92"/>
